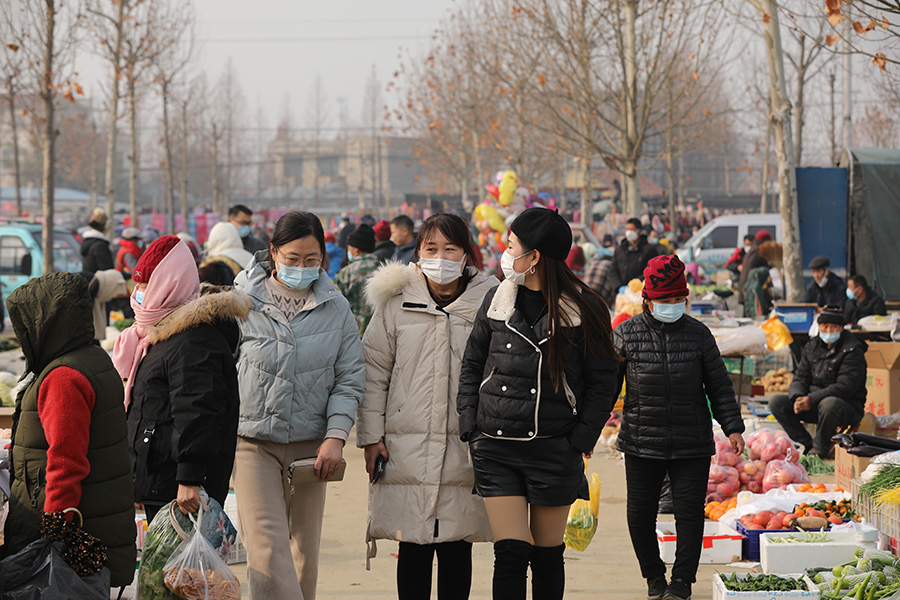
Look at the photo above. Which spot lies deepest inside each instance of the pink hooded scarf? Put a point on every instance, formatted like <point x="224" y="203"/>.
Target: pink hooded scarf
<point x="174" y="282"/>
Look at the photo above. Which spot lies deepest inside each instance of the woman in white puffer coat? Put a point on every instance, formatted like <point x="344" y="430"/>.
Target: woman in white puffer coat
<point x="413" y="346"/>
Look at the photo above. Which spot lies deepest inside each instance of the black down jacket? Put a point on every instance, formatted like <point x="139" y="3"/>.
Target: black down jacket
<point x="838" y="371"/>
<point x="182" y="422"/>
<point x="96" y="255"/>
<point x="505" y="390"/>
<point x="670" y="370"/>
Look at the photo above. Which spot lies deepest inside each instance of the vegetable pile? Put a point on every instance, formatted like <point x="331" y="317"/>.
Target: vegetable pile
<point x="806" y="538"/>
<point x="762" y="583"/>
<point x="814" y="465"/>
<point x="872" y="575"/>
<point x="835" y="512"/>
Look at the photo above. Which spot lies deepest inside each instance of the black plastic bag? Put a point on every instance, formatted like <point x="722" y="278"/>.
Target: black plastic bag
<point x="38" y="572"/>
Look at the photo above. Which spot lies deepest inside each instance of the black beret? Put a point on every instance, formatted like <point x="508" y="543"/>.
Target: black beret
<point x="819" y="262"/>
<point x="544" y="230"/>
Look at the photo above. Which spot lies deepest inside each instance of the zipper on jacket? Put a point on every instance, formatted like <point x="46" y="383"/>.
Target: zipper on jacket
<point x="491" y="374"/>
<point x="37" y="489"/>
<point x="537" y="404"/>
<point x="570" y="395"/>
<point x="666" y="379"/>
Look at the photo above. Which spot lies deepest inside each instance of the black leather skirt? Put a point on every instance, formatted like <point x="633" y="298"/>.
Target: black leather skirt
<point x="547" y="471"/>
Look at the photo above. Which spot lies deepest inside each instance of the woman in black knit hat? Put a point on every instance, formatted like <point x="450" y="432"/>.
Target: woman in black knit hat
<point x="536" y="386"/>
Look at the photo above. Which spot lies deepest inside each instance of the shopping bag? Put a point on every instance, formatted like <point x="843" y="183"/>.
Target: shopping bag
<point x="38" y="572"/>
<point x="777" y="333"/>
<point x="197" y="572"/>
<point x="166" y="533"/>
<point x="582" y="522"/>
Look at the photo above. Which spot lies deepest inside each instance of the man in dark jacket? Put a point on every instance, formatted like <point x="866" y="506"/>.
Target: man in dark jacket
<point x="671" y="365"/>
<point x="829" y="386"/>
<point x="826" y="287"/>
<point x="242" y="218"/>
<point x="753" y="260"/>
<point x="404" y="238"/>
<point x="69" y="448"/>
<point x="384" y="247"/>
<point x="862" y="301"/>
<point x="632" y="256"/>
<point x="95" y="252"/>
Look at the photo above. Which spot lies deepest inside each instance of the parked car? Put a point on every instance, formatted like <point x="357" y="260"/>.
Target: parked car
<point x="714" y="243"/>
<point x="22" y="259"/>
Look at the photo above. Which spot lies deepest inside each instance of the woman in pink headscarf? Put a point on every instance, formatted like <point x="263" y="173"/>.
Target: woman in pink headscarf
<point x="181" y="393"/>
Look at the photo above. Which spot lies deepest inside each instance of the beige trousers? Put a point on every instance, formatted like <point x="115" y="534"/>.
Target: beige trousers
<point x="282" y="553"/>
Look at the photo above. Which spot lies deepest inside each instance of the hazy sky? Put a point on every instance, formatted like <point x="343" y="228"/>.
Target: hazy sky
<point x="280" y="46"/>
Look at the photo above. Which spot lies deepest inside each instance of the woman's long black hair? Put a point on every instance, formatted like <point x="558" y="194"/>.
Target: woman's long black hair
<point x="560" y="286"/>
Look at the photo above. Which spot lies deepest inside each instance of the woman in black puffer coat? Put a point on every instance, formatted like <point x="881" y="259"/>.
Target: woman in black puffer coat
<point x="671" y="367"/>
<point x="537" y="382"/>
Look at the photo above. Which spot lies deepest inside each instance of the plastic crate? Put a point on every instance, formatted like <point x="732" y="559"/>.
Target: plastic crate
<point x="237" y="553"/>
<point x="885" y="518"/>
<point x="798" y="317"/>
<point x="750" y="544"/>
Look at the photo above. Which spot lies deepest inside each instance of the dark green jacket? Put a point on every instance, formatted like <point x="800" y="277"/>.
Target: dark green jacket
<point x="52" y="319"/>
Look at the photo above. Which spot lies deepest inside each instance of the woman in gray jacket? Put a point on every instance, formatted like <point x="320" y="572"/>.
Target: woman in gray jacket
<point x="301" y="375"/>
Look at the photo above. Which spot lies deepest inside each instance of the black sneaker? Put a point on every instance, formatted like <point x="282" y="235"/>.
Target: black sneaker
<point x="678" y="590"/>
<point x="656" y="588"/>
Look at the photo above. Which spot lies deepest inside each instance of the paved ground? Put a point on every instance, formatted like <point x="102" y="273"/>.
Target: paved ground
<point x="607" y="569"/>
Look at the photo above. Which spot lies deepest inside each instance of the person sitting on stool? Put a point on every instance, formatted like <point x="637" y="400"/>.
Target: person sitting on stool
<point x="829" y="386"/>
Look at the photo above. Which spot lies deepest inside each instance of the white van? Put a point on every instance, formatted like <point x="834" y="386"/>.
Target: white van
<point x="715" y="242"/>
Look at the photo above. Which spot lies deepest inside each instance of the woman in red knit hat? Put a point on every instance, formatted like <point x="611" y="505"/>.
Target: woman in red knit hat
<point x="181" y="392"/>
<point x="671" y="365"/>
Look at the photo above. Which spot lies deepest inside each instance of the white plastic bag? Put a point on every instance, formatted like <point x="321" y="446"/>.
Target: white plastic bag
<point x="876" y="323"/>
<point x="196" y="572"/>
<point x="745" y="340"/>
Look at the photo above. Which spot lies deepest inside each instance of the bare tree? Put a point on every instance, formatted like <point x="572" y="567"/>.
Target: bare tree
<point x="373" y="119"/>
<point x="317" y="120"/>
<point x="171" y="61"/>
<point x="805" y="59"/>
<point x="11" y="68"/>
<point x="231" y="104"/>
<point x="47" y="36"/>
<point x="107" y="25"/>
<point x="784" y="149"/>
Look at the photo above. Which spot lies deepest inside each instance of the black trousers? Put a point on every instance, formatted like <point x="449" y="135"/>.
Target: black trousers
<point x="830" y="415"/>
<point x="644" y="479"/>
<point x="454" y="570"/>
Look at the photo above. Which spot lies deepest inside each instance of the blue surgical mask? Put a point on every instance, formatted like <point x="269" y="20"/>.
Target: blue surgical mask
<point x="829" y="338"/>
<point x="850" y="295"/>
<point x="139" y="297"/>
<point x="298" y="278"/>
<point x="243" y="230"/>
<point x="668" y="313"/>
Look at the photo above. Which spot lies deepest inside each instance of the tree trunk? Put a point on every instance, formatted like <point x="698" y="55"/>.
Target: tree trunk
<point x="17" y="175"/>
<point x="670" y="174"/>
<point x="49" y="140"/>
<point x="727" y="169"/>
<point x="846" y="92"/>
<point x="184" y="168"/>
<point x="110" y="183"/>
<point x="170" y="176"/>
<point x="217" y="200"/>
<point x="765" y="167"/>
<point x="833" y="159"/>
<point x="133" y="158"/>
<point x="799" y="106"/>
<point x="92" y="176"/>
<point x="587" y="195"/>
<point x="784" y="149"/>
<point x="629" y="162"/>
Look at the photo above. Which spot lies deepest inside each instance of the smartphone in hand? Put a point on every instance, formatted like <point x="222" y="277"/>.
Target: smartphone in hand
<point x="380" y="462"/>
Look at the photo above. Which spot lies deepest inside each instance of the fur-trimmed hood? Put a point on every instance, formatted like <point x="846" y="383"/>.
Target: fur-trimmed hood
<point x="232" y="305"/>
<point x="396" y="279"/>
<point x="503" y="304"/>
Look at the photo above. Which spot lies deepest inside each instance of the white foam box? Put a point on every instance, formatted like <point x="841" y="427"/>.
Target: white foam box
<point x="721" y="544"/>
<point x="799" y="557"/>
<point x="720" y="593"/>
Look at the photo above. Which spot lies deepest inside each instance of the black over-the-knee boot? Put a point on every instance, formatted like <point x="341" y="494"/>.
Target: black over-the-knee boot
<point x="510" y="569"/>
<point x="548" y="572"/>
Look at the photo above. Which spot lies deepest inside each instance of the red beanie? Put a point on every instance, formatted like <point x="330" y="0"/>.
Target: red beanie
<point x="762" y="236"/>
<point x="575" y="259"/>
<point x="152" y="256"/>
<point x="382" y="230"/>
<point x="664" y="278"/>
<point x="329" y="237"/>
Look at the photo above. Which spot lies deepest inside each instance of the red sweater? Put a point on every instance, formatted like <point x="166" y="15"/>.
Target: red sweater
<point x="65" y="403"/>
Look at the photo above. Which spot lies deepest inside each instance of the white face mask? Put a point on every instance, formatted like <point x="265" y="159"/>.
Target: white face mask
<point x="507" y="260"/>
<point x="442" y="271"/>
<point x="631" y="236"/>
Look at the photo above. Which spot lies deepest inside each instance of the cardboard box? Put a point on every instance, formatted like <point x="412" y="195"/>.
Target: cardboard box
<point x="847" y="467"/>
<point x="883" y="378"/>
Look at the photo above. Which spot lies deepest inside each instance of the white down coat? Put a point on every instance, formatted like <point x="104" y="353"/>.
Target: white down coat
<point x="413" y="351"/>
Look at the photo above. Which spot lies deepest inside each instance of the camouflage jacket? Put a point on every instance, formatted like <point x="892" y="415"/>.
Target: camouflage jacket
<point x="351" y="282"/>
